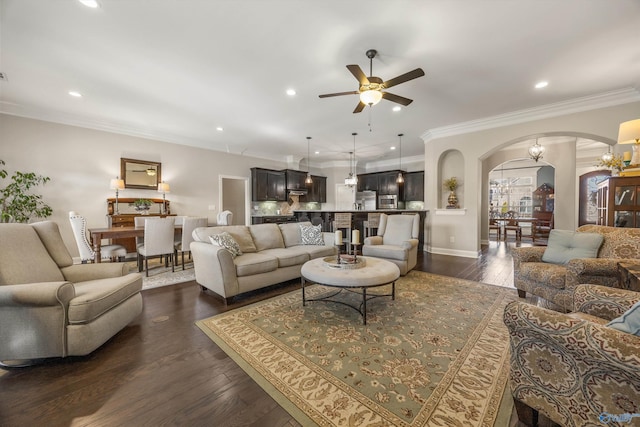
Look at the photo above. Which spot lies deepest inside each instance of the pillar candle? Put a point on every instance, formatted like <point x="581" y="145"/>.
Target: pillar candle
<point x="626" y="156"/>
<point x="338" y="237"/>
<point x="355" y="237"/>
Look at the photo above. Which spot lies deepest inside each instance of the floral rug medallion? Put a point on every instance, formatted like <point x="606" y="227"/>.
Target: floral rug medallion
<point x="436" y="356"/>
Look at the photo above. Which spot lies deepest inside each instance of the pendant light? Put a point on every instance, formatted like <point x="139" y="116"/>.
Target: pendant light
<point x="352" y="179"/>
<point x="400" y="179"/>
<point x="536" y="151"/>
<point x="308" y="181"/>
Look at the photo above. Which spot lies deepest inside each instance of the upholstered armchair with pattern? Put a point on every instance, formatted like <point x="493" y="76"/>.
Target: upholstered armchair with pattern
<point x="572" y="368"/>
<point x="556" y="282"/>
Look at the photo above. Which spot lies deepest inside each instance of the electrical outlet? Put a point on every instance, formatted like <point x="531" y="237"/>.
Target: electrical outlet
<point x="452" y="239"/>
<point x="212" y="207"/>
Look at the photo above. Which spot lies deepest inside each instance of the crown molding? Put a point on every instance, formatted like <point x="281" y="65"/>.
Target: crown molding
<point x="592" y="102"/>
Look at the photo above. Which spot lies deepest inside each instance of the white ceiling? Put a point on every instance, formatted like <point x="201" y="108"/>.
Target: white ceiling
<point x="174" y="70"/>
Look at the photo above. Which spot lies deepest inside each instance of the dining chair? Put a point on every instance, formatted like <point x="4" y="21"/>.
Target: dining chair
<point x="87" y="254"/>
<point x="158" y="241"/>
<point x="188" y="225"/>
<point x="225" y="218"/>
<point x="494" y="226"/>
<point x="512" y="225"/>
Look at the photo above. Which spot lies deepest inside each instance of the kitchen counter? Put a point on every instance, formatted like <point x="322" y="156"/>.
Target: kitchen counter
<point x="358" y="218"/>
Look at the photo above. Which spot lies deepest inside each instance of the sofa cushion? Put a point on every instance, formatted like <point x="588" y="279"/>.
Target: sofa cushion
<point x="311" y="234"/>
<point x="565" y="245"/>
<point x="621" y="243"/>
<point x="386" y="251"/>
<point x="553" y="275"/>
<point x="255" y="263"/>
<point x="291" y="233"/>
<point x="315" y="251"/>
<point x="96" y="297"/>
<point x="288" y="256"/>
<point x="240" y="233"/>
<point x="396" y="229"/>
<point x="266" y="236"/>
<point x="629" y="322"/>
<point x="225" y="240"/>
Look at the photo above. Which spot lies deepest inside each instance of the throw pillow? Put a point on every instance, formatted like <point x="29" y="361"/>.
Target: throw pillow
<point x="311" y="235"/>
<point x="225" y="240"/>
<point x="565" y="245"/>
<point x="629" y="322"/>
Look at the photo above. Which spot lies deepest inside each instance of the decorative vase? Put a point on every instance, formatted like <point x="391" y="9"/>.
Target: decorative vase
<point x="452" y="200"/>
<point x="144" y="210"/>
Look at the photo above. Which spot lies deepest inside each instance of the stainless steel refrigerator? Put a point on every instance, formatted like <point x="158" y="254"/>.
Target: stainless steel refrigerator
<point x="366" y="200"/>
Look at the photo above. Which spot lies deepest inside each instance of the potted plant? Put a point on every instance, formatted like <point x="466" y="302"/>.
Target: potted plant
<point x="17" y="203"/>
<point x="142" y="205"/>
<point x="452" y="184"/>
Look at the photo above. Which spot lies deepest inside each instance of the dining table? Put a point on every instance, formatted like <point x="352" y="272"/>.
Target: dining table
<point x="97" y="234"/>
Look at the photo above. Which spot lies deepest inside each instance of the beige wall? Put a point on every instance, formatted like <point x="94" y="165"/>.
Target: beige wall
<point x="80" y="163"/>
<point x="466" y="226"/>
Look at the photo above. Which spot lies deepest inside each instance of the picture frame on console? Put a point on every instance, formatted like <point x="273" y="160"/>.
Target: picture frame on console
<point x="140" y="174"/>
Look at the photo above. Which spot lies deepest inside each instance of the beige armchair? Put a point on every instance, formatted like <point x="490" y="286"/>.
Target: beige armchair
<point x="556" y="282"/>
<point x="397" y="241"/>
<point x="572" y="368"/>
<point x="50" y="307"/>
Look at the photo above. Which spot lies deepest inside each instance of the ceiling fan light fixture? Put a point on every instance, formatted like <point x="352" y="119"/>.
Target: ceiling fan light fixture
<point x="370" y="97"/>
<point x="151" y="172"/>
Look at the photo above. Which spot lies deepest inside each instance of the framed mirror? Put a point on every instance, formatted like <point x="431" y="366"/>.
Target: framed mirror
<point x="140" y="174"/>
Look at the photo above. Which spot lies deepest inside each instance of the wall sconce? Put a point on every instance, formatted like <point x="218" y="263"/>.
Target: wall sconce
<point x="117" y="184"/>
<point x="629" y="133"/>
<point x="536" y="151"/>
<point x="164" y="188"/>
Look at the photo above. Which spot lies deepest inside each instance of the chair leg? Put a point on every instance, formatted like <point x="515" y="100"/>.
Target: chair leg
<point x="146" y="265"/>
<point x="183" y="260"/>
<point x="173" y="263"/>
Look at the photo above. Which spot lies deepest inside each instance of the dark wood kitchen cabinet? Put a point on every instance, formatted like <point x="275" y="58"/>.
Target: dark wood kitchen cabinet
<point x="296" y="180"/>
<point x="267" y="184"/>
<point x="414" y="186"/>
<point x="318" y="191"/>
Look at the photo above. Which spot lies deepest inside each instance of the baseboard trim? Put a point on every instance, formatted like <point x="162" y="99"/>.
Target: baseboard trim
<point x="453" y="252"/>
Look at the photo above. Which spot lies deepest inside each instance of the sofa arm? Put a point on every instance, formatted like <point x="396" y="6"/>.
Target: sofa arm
<point x="44" y="294"/>
<point x="84" y="272"/>
<point x="373" y="240"/>
<point x="526" y="254"/>
<point x="602" y="301"/>
<point x="215" y="269"/>
<point x="559" y="363"/>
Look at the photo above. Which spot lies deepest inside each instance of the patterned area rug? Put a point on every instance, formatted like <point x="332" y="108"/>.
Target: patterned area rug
<point x="159" y="275"/>
<point x="436" y="356"/>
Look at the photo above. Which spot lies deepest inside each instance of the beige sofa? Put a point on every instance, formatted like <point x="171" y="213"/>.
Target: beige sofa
<point x="50" y="307"/>
<point x="271" y="254"/>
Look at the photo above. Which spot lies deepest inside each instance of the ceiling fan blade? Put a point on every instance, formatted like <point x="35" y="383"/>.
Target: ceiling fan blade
<point x="404" y="78"/>
<point x="396" y="98"/>
<point x="354" y="92"/>
<point x="359" y="107"/>
<point x="358" y="74"/>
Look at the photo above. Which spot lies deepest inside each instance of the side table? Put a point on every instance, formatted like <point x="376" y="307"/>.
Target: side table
<point x="629" y="276"/>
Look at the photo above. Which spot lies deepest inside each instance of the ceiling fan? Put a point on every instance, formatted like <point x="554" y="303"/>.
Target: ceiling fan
<point x="371" y="88"/>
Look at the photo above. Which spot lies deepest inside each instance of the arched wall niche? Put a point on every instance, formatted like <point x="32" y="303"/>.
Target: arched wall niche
<point x="450" y="164"/>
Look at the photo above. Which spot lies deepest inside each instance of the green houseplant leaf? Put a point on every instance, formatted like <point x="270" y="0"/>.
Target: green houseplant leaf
<point x="17" y="203"/>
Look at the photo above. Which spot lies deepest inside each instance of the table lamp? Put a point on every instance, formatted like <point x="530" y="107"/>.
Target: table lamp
<point x="163" y="188"/>
<point x="630" y="134"/>
<point x="117" y="184"/>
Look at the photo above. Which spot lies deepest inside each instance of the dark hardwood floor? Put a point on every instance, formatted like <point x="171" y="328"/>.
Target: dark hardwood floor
<point x="162" y="370"/>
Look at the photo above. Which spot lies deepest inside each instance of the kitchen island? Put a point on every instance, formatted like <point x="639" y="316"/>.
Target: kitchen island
<point x="358" y="218"/>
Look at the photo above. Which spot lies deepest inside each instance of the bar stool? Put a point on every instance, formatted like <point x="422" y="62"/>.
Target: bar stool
<point x="372" y="223"/>
<point x="342" y="221"/>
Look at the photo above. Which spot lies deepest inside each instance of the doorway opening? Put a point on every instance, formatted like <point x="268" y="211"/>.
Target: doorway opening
<point x="233" y="192"/>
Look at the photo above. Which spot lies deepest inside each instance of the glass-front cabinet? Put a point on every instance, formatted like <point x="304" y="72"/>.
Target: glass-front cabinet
<point x="618" y="204"/>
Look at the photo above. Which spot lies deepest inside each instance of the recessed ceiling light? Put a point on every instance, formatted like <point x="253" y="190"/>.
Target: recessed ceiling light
<point x="317" y="152"/>
<point x="542" y="84"/>
<point x="397" y="108"/>
<point x="75" y="94"/>
<point x="90" y="3"/>
<point x="291" y="92"/>
<point x="219" y="129"/>
<point x="392" y="148"/>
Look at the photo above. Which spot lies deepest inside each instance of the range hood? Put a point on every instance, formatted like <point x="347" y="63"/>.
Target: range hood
<point x="297" y="192"/>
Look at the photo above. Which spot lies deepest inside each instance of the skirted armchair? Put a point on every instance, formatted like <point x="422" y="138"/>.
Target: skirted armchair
<point x="397" y="241"/>
<point x="556" y="282"/>
<point x="50" y="307"/>
<point x="572" y="368"/>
